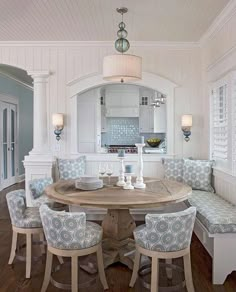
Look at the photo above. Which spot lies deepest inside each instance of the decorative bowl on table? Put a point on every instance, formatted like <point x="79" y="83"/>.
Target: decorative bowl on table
<point x="153" y="142"/>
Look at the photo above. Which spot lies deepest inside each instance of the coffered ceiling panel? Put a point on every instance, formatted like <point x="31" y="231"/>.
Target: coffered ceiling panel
<point x="97" y="20"/>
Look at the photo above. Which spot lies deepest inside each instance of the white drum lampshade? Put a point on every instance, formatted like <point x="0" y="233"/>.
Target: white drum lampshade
<point x="57" y="120"/>
<point x="187" y="121"/>
<point x="122" y="68"/>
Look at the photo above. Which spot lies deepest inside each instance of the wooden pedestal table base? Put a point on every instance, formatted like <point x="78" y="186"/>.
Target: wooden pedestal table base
<point x="118" y="226"/>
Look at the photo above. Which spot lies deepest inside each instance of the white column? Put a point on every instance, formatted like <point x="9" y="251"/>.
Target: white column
<point x="39" y="163"/>
<point x="40" y="141"/>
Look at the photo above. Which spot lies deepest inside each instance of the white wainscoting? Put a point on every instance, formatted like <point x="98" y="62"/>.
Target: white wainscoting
<point x="225" y="185"/>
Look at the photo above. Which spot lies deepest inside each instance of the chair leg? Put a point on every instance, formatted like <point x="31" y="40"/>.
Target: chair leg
<point x="135" y="268"/>
<point x="41" y="239"/>
<point x="60" y="259"/>
<point x="48" y="270"/>
<point x="101" y="268"/>
<point x="28" y="254"/>
<point x="188" y="273"/>
<point x="13" y="247"/>
<point x="169" y="270"/>
<point x="74" y="274"/>
<point x="155" y="274"/>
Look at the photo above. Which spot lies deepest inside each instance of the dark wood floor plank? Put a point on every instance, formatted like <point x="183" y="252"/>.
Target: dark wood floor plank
<point x="12" y="278"/>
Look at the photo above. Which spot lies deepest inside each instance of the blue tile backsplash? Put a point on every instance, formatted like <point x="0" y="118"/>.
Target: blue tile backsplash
<point x="125" y="131"/>
<point x="121" y="131"/>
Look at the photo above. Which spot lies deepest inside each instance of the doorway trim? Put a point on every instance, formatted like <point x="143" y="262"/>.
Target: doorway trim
<point x="149" y="80"/>
<point x="15" y="101"/>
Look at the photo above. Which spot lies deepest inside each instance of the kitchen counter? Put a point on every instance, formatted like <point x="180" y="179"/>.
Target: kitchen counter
<point x="152" y="163"/>
<point x="128" y="157"/>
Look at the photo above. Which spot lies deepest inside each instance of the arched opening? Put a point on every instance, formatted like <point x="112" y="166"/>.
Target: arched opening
<point x="151" y="81"/>
<point x="16" y="122"/>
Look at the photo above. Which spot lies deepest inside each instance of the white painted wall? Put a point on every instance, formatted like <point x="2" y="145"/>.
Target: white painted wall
<point x="66" y="62"/>
<point x="218" y="59"/>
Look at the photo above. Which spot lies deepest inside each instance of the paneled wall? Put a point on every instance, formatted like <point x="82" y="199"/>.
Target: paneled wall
<point x="179" y="63"/>
<point x="218" y="59"/>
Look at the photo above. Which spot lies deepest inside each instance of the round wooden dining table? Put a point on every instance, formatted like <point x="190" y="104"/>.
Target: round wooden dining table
<point x="118" y="224"/>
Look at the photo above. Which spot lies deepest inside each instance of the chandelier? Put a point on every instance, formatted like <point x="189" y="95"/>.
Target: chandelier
<point x="158" y="99"/>
<point x="122" y="67"/>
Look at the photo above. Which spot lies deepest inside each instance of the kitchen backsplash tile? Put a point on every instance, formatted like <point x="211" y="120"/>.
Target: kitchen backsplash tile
<point x="124" y="131"/>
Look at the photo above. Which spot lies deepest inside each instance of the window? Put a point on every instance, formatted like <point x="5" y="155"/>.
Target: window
<point x="223" y="123"/>
<point x="219" y="123"/>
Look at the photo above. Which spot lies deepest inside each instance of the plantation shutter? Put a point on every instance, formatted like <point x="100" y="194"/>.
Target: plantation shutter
<point x="220" y="123"/>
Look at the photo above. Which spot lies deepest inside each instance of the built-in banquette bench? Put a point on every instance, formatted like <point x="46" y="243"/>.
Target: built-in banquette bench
<point x="215" y="224"/>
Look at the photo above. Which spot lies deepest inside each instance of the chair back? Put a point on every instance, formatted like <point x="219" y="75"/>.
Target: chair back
<point x="16" y="206"/>
<point x="37" y="186"/>
<point x="170" y="231"/>
<point x="63" y="230"/>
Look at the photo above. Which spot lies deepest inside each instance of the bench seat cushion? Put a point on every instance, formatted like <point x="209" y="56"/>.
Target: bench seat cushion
<point x="215" y="213"/>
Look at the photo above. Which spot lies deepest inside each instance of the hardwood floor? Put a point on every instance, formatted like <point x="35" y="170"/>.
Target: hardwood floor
<point x="12" y="278"/>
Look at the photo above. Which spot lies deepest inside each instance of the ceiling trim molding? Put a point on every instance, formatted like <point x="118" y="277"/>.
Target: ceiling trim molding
<point x="98" y="44"/>
<point x="221" y="58"/>
<point x="225" y="15"/>
<point x="24" y="84"/>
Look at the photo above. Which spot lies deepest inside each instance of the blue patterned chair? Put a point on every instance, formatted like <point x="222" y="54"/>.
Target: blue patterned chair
<point x="70" y="235"/>
<point x="24" y="221"/>
<point x="37" y="187"/>
<point x="165" y="236"/>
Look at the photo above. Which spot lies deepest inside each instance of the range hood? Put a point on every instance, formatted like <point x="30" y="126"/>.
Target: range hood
<point x="122" y="112"/>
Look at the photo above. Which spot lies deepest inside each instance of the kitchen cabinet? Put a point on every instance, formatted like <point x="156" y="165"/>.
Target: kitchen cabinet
<point x="152" y="120"/>
<point x="89" y="122"/>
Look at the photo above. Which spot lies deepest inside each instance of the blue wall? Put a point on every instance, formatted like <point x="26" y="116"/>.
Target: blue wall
<point x="25" y="112"/>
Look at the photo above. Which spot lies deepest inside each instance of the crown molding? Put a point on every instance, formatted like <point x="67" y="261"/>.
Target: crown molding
<point x="24" y="84"/>
<point x="170" y="44"/>
<point x="225" y="15"/>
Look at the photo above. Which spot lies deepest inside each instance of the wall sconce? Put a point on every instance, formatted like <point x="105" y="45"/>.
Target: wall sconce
<point x="186" y="124"/>
<point x="58" y="124"/>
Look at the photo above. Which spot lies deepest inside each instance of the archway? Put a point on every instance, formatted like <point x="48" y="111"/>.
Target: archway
<point x="16" y="122"/>
<point x="149" y="80"/>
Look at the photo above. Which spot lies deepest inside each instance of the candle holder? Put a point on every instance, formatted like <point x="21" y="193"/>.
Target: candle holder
<point x="139" y="180"/>
<point x="128" y="185"/>
<point x="121" y="180"/>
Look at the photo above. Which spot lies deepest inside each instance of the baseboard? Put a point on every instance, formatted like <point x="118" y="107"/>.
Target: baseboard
<point x="21" y="178"/>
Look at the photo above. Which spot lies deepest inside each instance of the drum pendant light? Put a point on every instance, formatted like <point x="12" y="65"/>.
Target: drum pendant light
<point x="122" y="67"/>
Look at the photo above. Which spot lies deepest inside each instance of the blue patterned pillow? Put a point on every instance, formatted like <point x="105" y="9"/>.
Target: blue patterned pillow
<point x="197" y="174"/>
<point x="37" y="186"/>
<point x="174" y="169"/>
<point x="71" y="168"/>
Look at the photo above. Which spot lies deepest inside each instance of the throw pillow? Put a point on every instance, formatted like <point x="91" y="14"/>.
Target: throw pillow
<point x="71" y="168"/>
<point x="197" y="174"/>
<point x="174" y="169"/>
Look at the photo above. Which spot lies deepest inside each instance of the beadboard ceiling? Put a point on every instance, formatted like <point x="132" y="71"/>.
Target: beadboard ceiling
<point x="97" y="20"/>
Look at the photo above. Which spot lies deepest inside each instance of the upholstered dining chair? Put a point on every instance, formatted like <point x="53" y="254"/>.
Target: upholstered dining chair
<point x="37" y="188"/>
<point x="70" y="235"/>
<point x="24" y="221"/>
<point x="165" y="236"/>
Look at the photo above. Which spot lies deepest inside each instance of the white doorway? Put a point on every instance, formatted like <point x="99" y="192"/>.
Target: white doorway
<point x="8" y="144"/>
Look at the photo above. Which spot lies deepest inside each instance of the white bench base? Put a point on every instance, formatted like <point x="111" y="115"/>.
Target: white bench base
<point x="222" y="249"/>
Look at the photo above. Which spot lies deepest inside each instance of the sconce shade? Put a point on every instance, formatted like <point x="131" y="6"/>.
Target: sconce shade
<point x="187" y="121"/>
<point x="57" y="120"/>
<point x="122" y="68"/>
